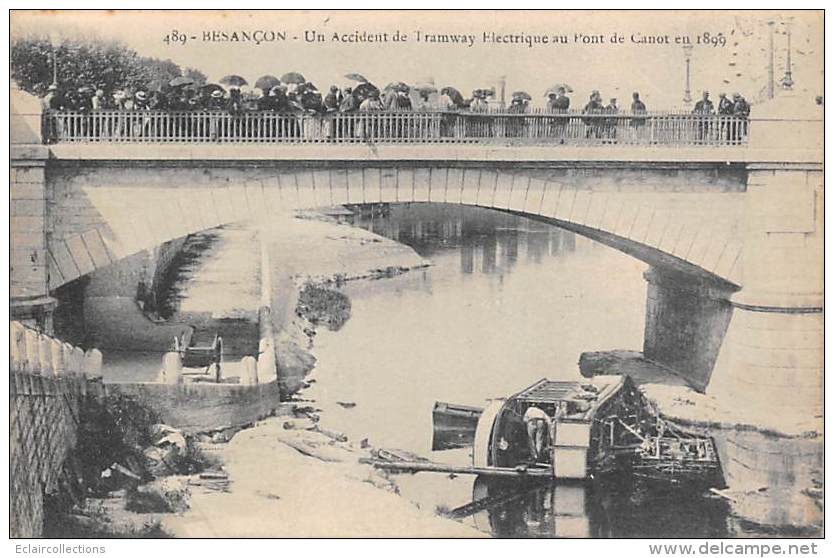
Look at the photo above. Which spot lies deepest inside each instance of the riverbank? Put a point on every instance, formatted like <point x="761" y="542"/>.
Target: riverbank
<point x="289" y="477"/>
<point x="342" y="254"/>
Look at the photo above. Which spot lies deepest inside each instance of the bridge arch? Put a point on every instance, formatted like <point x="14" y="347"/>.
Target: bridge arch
<point x="105" y="212"/>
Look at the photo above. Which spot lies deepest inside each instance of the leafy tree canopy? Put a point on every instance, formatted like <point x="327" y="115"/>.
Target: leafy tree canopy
<point x="107" y="65"/>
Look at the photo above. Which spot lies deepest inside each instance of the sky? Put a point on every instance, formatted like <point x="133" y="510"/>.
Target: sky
<point x="614" y="68"/>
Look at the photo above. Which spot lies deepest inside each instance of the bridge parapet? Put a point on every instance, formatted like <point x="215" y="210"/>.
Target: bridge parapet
<point x="407" y="127"/>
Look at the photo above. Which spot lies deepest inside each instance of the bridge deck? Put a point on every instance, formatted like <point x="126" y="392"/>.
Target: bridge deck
<point x="528" y="155"/>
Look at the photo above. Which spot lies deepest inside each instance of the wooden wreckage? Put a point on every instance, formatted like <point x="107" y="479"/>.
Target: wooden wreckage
<point x="598" y="428"/>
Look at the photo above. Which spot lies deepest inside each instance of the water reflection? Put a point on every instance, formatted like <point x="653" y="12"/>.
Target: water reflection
<point x="486" y="239"/>
<point x="506" y="302"/>
<point x="576" y="510"/>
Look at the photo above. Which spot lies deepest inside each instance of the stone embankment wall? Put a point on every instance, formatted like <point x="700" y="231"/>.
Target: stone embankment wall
<point x="207" y="406"/>
<point x="48" y="382"/>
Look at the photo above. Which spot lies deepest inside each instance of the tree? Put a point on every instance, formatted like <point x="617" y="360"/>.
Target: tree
<point x="106" y="65"/>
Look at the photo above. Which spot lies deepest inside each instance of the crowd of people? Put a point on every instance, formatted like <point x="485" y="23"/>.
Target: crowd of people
<point x="297" y="96"/>
<point x="732" y="129"/>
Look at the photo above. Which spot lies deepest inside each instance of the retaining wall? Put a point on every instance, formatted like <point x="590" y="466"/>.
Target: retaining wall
<point x="48" y="382"/>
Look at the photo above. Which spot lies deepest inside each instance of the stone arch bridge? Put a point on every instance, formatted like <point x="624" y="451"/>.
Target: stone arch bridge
<point x="733" y="234"/>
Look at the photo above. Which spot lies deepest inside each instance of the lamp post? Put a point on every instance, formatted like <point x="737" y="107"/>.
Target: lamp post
<point x="770" y="69"/>
<point x="687" y="94"/>
<point x="787" y="81"/>
<point x="53" y="41"/>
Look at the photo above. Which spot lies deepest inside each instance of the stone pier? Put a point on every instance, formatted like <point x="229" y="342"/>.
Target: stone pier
<point x="685" y="323"/>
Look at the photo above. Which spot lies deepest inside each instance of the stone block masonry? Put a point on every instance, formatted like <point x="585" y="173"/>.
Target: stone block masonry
<point x="46" y="392"/>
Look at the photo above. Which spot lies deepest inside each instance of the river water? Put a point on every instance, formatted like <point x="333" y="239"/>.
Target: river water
<point x="507" y="301"/>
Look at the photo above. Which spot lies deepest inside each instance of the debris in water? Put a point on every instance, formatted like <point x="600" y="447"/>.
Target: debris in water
<point x="346" y="404"/>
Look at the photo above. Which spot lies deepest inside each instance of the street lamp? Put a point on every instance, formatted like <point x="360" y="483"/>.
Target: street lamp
<point x="54" y="39"/>
<point x="787" y="81"/>
<point x="770" y="68"/>
<point x="687" y="94"/>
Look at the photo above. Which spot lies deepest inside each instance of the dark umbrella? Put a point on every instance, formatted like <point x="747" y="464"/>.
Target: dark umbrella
<point x="181" y="81"/>
<point x="522" y="95"/>
<point x="233" y="81"/>
<point x="398" y="85"/>
<point x="357" y="77"/>
<point x="210" y="88"/>
<point x="293" y="77"/>
<point x="267" y="82"/>
<point x="364" y="90"/>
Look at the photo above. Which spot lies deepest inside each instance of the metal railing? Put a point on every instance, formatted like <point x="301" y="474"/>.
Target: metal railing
<point x="408" y="127"/>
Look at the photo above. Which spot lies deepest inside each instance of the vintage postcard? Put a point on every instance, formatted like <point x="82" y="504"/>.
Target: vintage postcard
<point x="423" y="274"/>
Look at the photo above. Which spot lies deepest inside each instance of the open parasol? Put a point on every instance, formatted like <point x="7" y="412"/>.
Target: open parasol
<point x="181" y="81"/>
<point x="364" y="90"/>
<point x="357" y="77"/>
<point x="292" y="77"/>
<point x="397" y="86"/>
<point x="267" y="82"/>
<point x="233" y="80"/>
<point x="522" y="95"/>
<point x="210" y="88"/>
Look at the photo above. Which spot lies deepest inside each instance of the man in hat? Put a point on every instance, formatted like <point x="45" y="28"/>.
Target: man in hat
<point x="558" y="102"/>
<point x="331" y="100"/>
<point x="725" y="109"/>
<point x="703" y="108"/>
<point x="562" y="101"/>
<point x="515" y="126"/>
<point x="611" y="123"/>
<point x="593" y="126"/>
<point x="638" y="108"/>
<point x="83" y="103"/>
<point x="54" y="126"/>
<point x="741" y="110"/>
<point x="725" y="105"/>
<point x="53" y="100"/>
<point x="137" y="125"/>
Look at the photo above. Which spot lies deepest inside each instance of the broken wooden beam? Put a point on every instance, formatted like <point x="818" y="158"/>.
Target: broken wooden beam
<point x="428" y="466"/>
